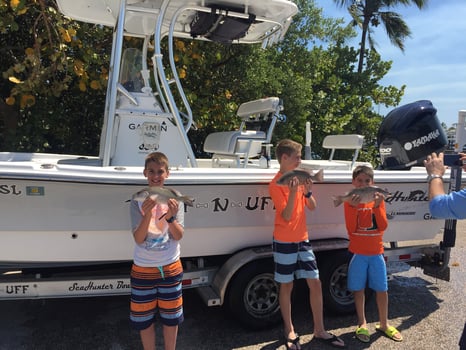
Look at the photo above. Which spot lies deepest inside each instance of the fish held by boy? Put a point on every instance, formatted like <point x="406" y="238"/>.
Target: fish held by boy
<point x="366" y="195"/>
<point x="162" y="195"/>
<point x="302" y="175"/>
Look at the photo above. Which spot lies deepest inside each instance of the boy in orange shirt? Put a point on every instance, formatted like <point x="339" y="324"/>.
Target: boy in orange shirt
<point x="293" y="255"/>
<point x="366" y="223"/>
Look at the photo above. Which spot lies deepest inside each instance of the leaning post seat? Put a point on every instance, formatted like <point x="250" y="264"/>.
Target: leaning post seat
<point x="258" y="119"/>
<point x="349" y="141"/>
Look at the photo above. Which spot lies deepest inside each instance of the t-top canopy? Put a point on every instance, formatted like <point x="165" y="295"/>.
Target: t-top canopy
<point x="272" y="17"/>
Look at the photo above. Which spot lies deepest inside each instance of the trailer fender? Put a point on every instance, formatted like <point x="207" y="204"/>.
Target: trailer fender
<point x="233" y="264"/>
<point x="238" y="260"/>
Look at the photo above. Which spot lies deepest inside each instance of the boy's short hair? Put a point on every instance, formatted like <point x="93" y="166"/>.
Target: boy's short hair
<point x="363" y="169"/>
<point x="157" y="157"/>
<point x="288" y="147"/>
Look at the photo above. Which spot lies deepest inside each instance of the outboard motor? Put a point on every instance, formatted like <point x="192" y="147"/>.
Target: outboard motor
<point x="408" y="134"/>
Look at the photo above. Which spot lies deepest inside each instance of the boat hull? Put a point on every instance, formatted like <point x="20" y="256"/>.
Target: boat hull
<point x="66" y="216"/>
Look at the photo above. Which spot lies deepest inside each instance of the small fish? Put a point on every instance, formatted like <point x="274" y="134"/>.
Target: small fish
<point x="302" y="176"/>
<point x="366" y="194"/>
<point x="162" y="195"/>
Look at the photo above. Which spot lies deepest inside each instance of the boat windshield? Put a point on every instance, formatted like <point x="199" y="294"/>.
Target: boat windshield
<point x="131" y="67"/>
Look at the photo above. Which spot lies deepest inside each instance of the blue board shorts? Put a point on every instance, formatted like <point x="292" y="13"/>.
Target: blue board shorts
<point x="367" y="270"/>
<point x="294" y="261"/>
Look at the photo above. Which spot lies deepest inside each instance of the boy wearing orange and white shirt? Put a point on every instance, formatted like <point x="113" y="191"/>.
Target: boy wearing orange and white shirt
<point x="366" y="223"/>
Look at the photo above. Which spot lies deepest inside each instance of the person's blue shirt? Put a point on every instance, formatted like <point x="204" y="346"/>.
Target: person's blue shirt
<point x="452" y="205"/>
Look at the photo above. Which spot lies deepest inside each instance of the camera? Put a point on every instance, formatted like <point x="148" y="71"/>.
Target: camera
<point x="452" y="160"/>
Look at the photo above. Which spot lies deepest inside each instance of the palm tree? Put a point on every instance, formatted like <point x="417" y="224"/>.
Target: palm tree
<point x="367" y="13"/>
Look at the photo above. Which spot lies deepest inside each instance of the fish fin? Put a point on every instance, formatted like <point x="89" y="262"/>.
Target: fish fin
<point x="281" y="180"/>
<point x="173" y="191"/>
<point x="140" y="196"/>
<point x="140" y="192"/>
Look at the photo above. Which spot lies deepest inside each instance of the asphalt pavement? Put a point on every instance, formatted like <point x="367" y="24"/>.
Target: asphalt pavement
<point x="430" y="314"/>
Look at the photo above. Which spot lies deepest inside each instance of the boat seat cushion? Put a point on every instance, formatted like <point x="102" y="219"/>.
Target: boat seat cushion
<point x="233" y="142"/>
<point x="258" y="120"/>
<point x="261" y="106"/>
<point x="349" y="141"/>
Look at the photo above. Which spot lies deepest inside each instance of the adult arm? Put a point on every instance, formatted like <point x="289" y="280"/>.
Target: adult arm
<point x="451" y="205"/>
<point x="443" y="205"/>
<point x="435" y="167"/>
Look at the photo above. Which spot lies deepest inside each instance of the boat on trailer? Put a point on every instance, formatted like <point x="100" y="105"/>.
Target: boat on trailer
<point x="72" y="210"/>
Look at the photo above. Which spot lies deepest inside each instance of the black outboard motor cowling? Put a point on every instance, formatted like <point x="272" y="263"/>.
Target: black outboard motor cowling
<point x="408" y="134"/>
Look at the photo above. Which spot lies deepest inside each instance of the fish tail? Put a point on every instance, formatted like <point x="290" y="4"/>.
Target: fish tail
<point x="337" y="201"/>
<point x="189" y="201"/>
<point x="319" y="176"/>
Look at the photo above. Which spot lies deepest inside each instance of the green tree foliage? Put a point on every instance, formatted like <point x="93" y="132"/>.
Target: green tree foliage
<point x="371" y="13"/>
<point x="50" y="65"/>
<point x="61" y="67"/>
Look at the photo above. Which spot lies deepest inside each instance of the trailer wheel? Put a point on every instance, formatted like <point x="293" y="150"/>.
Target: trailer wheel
<point x="333" y="275"/>
<point x="252" y="296"/>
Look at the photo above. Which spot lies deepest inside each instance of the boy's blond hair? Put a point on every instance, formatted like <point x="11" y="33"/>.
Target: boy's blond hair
<point x="157" y="157"/>
<point x="363" y="169"/>
<point x="288" y="147"/>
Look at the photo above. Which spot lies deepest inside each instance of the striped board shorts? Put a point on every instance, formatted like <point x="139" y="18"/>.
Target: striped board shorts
<point x="294" y="261"/>
<point x="152" y="289"/>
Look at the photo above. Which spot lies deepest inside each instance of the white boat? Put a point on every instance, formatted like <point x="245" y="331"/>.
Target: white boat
<point x="65" y="210"/>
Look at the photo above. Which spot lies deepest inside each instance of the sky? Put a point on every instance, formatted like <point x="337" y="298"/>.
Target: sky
<point x="433" y="66"/>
